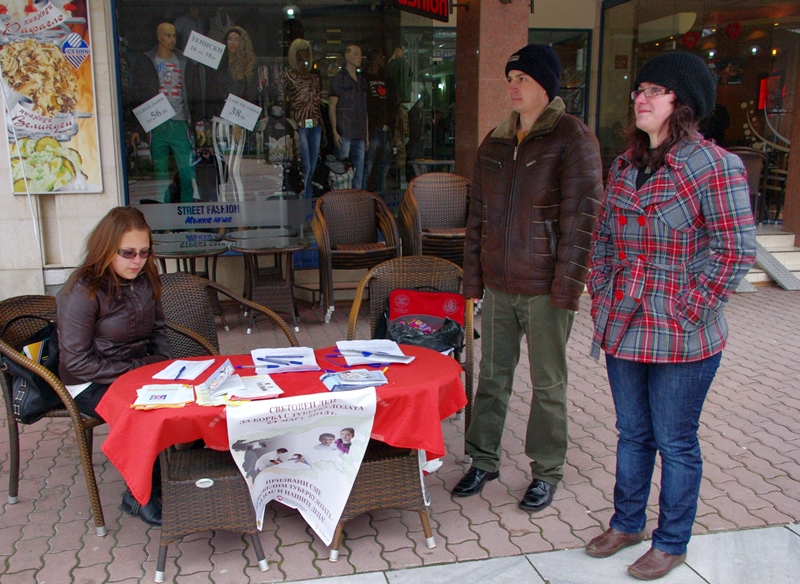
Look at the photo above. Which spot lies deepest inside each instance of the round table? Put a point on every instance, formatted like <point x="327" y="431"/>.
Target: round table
<point x="271" y="286"/>
<point x="410" y="410"/>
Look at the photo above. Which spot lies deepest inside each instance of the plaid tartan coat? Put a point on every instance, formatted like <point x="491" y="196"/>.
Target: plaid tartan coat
<point x="665" y="258"/>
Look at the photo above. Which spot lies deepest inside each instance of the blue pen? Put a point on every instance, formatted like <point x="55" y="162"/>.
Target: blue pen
<point x="279" y="361"/>
<point x="180" y="372"/>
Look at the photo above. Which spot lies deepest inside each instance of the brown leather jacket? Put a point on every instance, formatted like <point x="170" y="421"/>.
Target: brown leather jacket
<point x="101" y="338"/>
<point x="532" y="209"/>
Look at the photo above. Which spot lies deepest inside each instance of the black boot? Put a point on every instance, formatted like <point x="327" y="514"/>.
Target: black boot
<point x="150" y="513"/>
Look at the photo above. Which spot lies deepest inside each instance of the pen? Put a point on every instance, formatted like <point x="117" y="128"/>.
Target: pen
<point x="180" y="372"/>
<point x="248" y="366"/>
<point x="385" y="369"/>
<point x="279" y="361"/>
<point x="282" y="357"/>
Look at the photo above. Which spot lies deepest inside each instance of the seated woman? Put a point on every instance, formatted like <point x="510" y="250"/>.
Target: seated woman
<point x="110" y="321"/>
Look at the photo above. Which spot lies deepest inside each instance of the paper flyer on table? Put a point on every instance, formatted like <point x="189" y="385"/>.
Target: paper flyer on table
<point x="181" y="369"/>
<point x="372" y="351"/>
<point x="169" y="395"/>
<point x="303" y="451"/>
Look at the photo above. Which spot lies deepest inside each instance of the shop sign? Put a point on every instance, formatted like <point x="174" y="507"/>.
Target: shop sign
<point x="240" y="112"/>
<point x="435" y="9"/>
<point x="49" y="97"/>
<point x="204" y="50"/>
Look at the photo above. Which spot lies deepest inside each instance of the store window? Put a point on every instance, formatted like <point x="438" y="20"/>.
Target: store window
<point x="753" y="47"/>
<point x="268" y="137"/>
<point x="572" y="48"/>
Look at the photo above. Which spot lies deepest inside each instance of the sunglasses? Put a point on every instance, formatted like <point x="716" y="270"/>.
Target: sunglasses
<point x="130" y="254"/>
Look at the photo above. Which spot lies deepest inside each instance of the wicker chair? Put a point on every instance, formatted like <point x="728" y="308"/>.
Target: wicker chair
<point x="44" y="306"/>
<point x="413" y="272"/>
<point x="185" y="299"/>
<point x="186" y="508"/>
<point x="755" y="163"/>
<point x="346" y="225"/>
<point x="433" y="216"/>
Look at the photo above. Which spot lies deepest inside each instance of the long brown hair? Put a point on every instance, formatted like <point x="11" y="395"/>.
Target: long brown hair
<point x="682" y="127"/>
<point x="242" y="63"/>
<point x="95" y="271"/>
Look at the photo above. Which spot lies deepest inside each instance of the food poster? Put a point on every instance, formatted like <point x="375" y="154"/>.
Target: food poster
<point x="49" y="96"/>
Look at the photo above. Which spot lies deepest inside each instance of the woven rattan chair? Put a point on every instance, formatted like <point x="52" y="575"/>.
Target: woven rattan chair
<point x="346" y="225"/>
<point x="186" y="306"/>
<point x="433" y="216"/>
<point x="17" y="333"/>
<point x="389" y="478"/>
<point x="414" y="272"/>
<point x="755" y="163"/>
<point x="190" y="504"/>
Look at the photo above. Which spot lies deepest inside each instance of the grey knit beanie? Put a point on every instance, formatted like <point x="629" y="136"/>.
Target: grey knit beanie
<point x="685" y="74"/>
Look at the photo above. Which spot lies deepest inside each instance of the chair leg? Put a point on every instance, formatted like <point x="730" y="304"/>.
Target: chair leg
<point x="337" y="541"/>
<point x="90" y="440"/>
<point x="13" y="472"/>
<point x="161" y="564"/>
<point x="426" y="529"/>
<point x="91" y="481"/>
<point x="262" y="560"/>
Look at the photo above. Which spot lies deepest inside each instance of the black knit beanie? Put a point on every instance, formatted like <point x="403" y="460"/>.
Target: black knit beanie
<point x="541" y="63"/>
<point x="685" y="74"/>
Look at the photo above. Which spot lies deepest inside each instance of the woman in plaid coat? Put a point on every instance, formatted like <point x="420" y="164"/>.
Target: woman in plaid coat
<point x="674" y="237"/>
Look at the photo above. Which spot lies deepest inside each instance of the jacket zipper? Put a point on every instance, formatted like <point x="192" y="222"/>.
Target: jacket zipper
<point x="509" y="214"/>
<point x="551" y="234"/>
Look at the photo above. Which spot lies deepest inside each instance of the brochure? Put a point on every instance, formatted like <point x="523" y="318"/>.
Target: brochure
<point x="371" y="352"/>
<point x="223" y="381"/>
<point x="171" y="395"/>
<point x="353" y="379"/>
<point x="284" y="360"/>
<point x="256" y="387"/>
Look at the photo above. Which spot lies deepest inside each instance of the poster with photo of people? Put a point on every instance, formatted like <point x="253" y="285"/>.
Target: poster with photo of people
<point x="49" y="96"/>
<point x="303" y="451"/>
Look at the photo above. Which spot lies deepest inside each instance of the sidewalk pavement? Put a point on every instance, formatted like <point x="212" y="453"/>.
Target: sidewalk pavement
<point x="746" y="528"/>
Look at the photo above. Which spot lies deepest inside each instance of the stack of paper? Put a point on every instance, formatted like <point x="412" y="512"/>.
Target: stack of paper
<point x="181" y="369"/>
<point x="372" y="351"/>
<point x="172" y="395"/>
<point x="353" y="379"/>
<point x="223" y="381"/>
<point x="256" y="387"/>
<point x="269" y="361"/>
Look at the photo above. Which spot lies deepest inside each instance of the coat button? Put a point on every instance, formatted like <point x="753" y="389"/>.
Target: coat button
<point x="623" y="220"/>
<point x="619" y="295"/>
<point x="622" y="255"/>
<point x="642" y="220"/>
<point x="641" y="258"/>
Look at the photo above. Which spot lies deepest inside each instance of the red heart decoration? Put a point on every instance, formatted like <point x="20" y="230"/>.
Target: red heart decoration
<point x="690" y="39"/>
<point x="381" y="90"/>
<point x="733" y="30"/>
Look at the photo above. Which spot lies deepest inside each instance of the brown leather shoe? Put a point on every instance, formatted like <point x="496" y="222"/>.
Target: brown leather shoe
<point x="654" y="564"/>
<point x="610" y="542"/>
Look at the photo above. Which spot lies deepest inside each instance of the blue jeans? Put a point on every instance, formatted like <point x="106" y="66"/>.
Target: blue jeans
<point x="309" y="153"/>
<point x="658" y="409"/>
<point x="354" y="150"/>
<point x="380" y="149"/>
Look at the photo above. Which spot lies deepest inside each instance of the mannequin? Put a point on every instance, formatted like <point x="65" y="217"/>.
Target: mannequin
<point x="381" y="109"/>
<point x="301" y="91"/>
<point x="347" y="109"/>
<point x="165" y="70"/>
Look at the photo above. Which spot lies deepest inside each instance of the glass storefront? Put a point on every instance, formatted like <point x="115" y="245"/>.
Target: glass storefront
<point x="753" y="47"/>
<point x="204" y="154"/>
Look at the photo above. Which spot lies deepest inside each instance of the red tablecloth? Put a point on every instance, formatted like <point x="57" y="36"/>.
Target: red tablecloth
<point x="409" y="413"/>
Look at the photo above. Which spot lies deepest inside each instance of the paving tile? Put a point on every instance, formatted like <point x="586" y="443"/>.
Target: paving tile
<point x="375" y="578"/>
<point x="407" y="558"/>
<point x="765" y="555"/>
<point x="499" y="571"/>
<point x="29" y="554"/>
<point x="365" y="555"/>
<point x="577" y="567"/>
<point x="296" y="562"/>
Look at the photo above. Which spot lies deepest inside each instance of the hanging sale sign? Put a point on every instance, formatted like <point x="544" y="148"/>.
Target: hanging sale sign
<point x="435" y="9"/>
<point x="49" y="96"/>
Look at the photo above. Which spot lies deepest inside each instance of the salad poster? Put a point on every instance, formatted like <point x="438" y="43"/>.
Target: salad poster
<point x="49" y="97"/>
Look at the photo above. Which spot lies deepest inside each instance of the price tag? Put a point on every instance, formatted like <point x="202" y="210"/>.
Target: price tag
<point x="240" y="112"/>
<point x="154" y="112"/>
<point x="204" y="50"/>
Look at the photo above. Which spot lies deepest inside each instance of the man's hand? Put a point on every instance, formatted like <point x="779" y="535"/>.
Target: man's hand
<point x="337" y="139"/>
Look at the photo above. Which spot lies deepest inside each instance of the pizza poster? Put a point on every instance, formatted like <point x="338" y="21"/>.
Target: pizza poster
<point x="48" y="96"/>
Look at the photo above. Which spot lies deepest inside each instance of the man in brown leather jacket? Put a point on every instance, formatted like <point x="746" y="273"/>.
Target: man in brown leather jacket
<point x="536" y="191"/>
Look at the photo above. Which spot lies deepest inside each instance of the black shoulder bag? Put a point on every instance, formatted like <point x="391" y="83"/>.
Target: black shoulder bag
<point x="32" y="396"/>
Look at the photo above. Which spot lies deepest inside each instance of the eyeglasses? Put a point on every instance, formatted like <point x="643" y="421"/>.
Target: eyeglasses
<point x="130" y="254"/>
<point x="649" y="92"/>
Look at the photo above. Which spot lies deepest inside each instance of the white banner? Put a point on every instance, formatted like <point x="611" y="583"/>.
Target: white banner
<point x="204" y="50"/>
<point x="303" y="451"/>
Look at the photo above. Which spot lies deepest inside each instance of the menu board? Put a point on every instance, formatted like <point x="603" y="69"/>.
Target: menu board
<point x="49" y="96"/>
